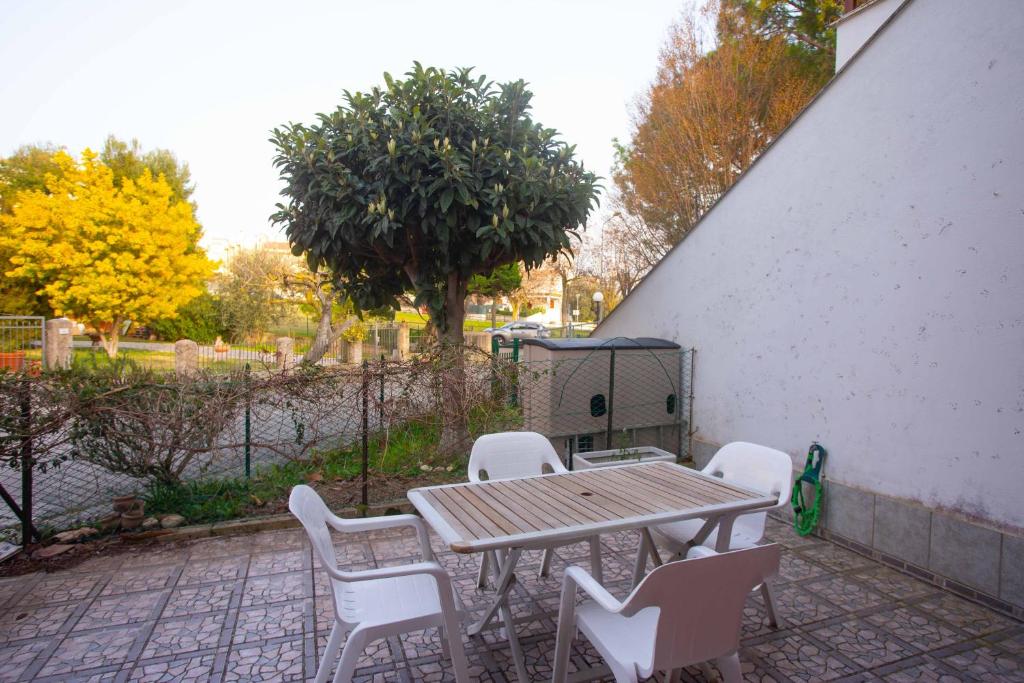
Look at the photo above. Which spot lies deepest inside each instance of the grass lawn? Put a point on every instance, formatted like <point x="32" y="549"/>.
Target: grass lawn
<point x="91" y="357"/>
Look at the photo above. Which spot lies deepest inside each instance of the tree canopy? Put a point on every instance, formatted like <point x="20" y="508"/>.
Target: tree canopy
<point x="711" y="112"/>
<point x="502" y="281"/>
<point x="27" y="168"/>
<point x="419" y="185"/>
<point x="105" y="254"/>
<point x="250" y="292"/>
<point x="22" y="171"/>
<point x="128" y="160"/>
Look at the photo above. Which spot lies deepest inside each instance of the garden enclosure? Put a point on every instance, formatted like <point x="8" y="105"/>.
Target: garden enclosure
<point x="69" y="441"/>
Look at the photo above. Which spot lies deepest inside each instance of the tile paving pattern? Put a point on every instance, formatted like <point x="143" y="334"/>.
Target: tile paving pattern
<point x="257" y="609"/>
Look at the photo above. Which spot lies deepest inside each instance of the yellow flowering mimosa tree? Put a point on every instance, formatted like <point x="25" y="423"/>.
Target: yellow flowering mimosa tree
<point x="104" y="254"/>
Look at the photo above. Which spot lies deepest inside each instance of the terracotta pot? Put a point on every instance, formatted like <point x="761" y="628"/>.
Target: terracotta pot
<point x="124" y="504"/>
<point x="132" y="520"/>
<point x="12" y="360"/>
<point x="110" y="522"/>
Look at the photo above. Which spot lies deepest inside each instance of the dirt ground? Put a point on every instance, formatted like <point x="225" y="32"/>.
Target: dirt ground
<point x="383" y="489"/>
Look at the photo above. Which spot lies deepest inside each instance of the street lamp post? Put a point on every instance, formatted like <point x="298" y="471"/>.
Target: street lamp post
<point x="598" y="298"/>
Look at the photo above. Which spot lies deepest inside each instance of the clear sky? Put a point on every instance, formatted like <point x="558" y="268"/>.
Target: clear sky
<point x="209" y="79"/>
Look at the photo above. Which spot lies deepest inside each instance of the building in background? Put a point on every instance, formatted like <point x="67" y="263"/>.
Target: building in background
<point x="542" y="292"/>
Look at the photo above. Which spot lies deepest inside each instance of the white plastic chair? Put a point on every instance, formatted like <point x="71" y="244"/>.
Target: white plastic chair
<point x="748" y="465"/>
<point x="512" y="455"/>
<point x="376" y="603"/>
<point x="682" y="613"/>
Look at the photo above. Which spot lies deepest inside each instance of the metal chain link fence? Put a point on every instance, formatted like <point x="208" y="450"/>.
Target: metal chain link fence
<point x="71" y="441"/>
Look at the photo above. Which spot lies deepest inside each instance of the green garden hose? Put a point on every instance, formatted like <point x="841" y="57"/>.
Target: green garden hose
<point x="806" y="518"/>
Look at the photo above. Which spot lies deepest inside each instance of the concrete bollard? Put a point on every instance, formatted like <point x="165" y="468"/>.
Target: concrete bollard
<point x="58" y="350"/>
<point x="403" y="341"/>
<point x="186" y="358"/>
<point x="284" y="353"/>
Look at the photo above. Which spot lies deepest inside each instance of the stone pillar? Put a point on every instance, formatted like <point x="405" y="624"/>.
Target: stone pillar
<point x="403" y="341"/>
<point x="284" y="354"/>
<point x="354" y="352"/>
<point x="186" y="358"/>
<point x="58" y="351"/>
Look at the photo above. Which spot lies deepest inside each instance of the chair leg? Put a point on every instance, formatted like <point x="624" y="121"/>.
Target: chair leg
<point x="354" y="647"/>
<point x="595" y="559"/>
<point x="730" y="668"/>
<point x="443" y="635"/>
<point x="545" y="563"/>
<point x="481" y="577"/>
<point x="565" y="630"/>
<point x="330" y="653"/>
<point x="451" y="640"/>
<point x="768" y="594"/>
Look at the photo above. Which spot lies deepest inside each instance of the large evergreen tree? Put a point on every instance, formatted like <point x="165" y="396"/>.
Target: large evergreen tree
<point x="422" y="184"/>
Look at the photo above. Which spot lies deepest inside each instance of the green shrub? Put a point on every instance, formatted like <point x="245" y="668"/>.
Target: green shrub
<point x="198" y="320"/>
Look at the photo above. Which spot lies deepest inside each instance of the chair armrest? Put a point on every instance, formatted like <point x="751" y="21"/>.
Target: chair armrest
<point x="578" y="577"/>
<point x="440" y="575"/>
<point x="386" y="522"/>
<point x="432" y="568"/>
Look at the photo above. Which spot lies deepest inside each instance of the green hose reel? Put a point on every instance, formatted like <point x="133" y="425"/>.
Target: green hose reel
<point x="806" y="518"/>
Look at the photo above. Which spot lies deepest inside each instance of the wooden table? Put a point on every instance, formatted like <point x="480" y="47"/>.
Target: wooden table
<point x="513" y="515"/>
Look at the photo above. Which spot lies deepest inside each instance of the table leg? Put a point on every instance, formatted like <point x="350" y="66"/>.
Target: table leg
<point x="705" y="531"/>
<point x="647" y="548"/>
<point x="596" y="569"/>
<point x="503" y="587"/>
<point x="640" y="564"/>
<point x="724" y="533"/>
<point x="652" y="548"/>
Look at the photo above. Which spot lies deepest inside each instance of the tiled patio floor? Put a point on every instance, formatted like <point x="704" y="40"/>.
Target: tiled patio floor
<point x="252" y="609"/>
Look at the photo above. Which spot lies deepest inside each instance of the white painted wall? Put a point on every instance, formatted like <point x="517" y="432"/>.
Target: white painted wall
<point x="857" y="27"/>
<point x="863" y="283"/>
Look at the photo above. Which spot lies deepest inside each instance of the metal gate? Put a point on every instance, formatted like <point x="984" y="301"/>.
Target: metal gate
<point x="22" y="341"/>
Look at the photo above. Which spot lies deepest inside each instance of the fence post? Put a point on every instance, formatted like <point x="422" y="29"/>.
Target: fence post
<point x="403" y="341"/>
<point x="354" y="352"/>
<point x="380" y="409"/>
<point x="365" y="465"/>
<point x="186" y="358"/>
<point x="57" y="347"/>
<point x="248" y="422"/>
<point x="26" y="463"/>
<point x="283" y="353"/>
<point x="611" y="398"/>
<point x="689" y="420"/>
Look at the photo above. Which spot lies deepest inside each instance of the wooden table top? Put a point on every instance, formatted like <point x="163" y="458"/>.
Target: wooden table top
<point x="533" y="511"/>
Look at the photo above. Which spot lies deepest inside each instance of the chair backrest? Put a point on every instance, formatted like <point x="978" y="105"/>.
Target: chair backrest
<point x="700" y="603"/>
<point x="508" y="455"/>
<point x="312" y="512"/>
<point x="754" y="467"/>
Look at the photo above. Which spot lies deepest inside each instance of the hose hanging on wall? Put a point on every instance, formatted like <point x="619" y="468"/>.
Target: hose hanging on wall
<point x="806" y="518"/>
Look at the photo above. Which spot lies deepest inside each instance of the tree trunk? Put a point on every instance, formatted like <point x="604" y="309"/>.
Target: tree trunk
<point x="566" y="305"/>
<point x="326" y="332"/>
<point x="110" y="342"/>
<point x="494" y="313"/>
<point x="454" y="424"/>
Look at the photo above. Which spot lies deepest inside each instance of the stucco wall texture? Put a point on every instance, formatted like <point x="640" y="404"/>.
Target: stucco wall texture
<point x="863" y="284"/>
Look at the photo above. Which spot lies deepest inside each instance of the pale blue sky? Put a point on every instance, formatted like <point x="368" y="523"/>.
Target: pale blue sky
<point x="208" y="80"/>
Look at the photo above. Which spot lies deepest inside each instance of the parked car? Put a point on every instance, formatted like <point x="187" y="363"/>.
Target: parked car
<point x="520" y="330"/>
